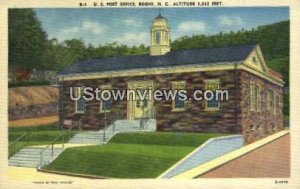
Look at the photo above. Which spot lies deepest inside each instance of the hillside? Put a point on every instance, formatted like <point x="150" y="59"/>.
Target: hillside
<point x="273" y="39"/>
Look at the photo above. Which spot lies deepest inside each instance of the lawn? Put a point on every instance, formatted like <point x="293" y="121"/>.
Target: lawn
<point x="130" y="155"/>
<point x="38" y="135"/>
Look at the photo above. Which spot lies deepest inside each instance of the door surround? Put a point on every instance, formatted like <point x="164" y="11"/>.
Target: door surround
<point x="131" y="105"/>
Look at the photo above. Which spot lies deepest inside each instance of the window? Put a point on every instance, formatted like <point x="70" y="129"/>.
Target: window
<point x="212" y="85"/>
<point x="254" y="60"/>
<point x="80" y="103"/>
<point x="157" y="37"/>
<point x="258" y="94"/>
<point x="252" y="127"/>
<point x="178" y="104"/>
<point x="258" y="127"/>
<point x="255" y="97"/>
<point x="105" y="105"/>
<point x="277" y="108"/>
<point x="268" y="100"/>
<point x="274" y="127"/>
<point x="271" y="101"/>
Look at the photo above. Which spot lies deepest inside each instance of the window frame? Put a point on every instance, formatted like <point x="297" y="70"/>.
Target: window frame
<point x="177" y="85"/>
<point x="268" y="96"/>
<point x="255" y="97"/>
<point x="259" y="98"/>
<point x="207" y="82"/>
<point x="156" y="37"/>
<point x="104" y="87"/>
<point x="271" y="101"/>
<point x="76" y="102"/>
<point x="276" y="103"/>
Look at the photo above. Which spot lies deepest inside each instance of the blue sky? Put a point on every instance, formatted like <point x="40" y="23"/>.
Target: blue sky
<point x="131" y="26"/>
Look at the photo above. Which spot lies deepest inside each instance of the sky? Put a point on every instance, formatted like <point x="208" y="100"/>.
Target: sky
<point x="132" y="26"/>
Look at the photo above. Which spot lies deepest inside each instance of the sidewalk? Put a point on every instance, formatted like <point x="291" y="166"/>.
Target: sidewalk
<point x="23" y="173"/>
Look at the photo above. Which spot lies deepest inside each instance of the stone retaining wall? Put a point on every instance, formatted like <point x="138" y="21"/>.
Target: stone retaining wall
<point x="39" y="110"/>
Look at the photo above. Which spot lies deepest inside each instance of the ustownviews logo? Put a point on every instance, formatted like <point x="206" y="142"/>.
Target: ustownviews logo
<point x="99" y="94"/>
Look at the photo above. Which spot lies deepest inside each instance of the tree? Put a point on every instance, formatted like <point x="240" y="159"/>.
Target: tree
<point x="27" y="40"/>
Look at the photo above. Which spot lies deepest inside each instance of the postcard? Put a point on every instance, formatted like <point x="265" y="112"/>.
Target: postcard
<point x="149" y="94"/>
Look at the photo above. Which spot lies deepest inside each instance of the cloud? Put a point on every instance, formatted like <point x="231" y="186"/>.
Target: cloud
<point x="191" y="27"/>
<point x="92" y="27"/>
<point x="86" y="26"/>
<point x="225" y="20"/>
<point x="70" y="30"/>
<point x="131" y="39"/>
<point x="132" y="22"/>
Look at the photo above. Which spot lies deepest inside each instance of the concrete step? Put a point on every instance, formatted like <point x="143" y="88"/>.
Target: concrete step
<point x="96" y="137"/>
<point x="30" y="156"/>
<point x="31" y="165"/>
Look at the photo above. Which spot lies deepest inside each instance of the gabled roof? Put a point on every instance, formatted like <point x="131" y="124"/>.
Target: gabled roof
<point x="175" y="58"/>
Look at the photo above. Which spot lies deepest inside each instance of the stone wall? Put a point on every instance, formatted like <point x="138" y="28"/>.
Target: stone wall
<point x="265" y="122"/>
<point x="194" y="119"/>
<point x="234" y="115"/>
<point x="32" y="111"/>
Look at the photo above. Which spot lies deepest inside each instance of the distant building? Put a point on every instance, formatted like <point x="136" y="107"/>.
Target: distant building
<point x="45" y="75"/>
<point x="37" y="74"/>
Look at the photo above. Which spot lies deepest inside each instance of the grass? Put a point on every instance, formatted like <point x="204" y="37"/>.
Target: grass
<point x="130" y="155"/>
<point x="39" y="135"/>
<point x="164" y="138"/>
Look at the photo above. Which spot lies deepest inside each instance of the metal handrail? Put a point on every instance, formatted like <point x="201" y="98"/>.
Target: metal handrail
<point x="69" y="131"/>
<point x="113" y="117"/>
<point x="25" y="135"/>
<point x="52" y="148"/>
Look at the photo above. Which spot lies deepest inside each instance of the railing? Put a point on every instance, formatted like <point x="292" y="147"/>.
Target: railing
<point x="51" y="147"/>
<point x="111" y="127"/>
<point x="147" y="115"/>
<point x="54" y="81"/>
<point x="13" y="144"/>
<point x="69" y="130"/>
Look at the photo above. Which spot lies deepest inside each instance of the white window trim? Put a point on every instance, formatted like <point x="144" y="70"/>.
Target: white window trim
<point x="268" y="96"/>
<point x="276" y="104"/>
<point x="272" y="99"/>
<point x="258" y="100"/>
<point x="100" y="104"/>
<point x="206" y="81"/>
<point x="76" y="102"/>
<point x="252" y="91"/>
<point x="174" y="83"/>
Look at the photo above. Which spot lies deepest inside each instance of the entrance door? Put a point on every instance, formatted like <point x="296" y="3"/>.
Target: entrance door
<point x="140" y="106"/>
